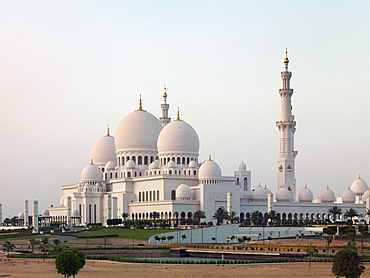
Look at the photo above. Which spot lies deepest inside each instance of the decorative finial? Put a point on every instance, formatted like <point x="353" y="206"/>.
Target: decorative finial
<point x="108" y="134"/>
<point x="178" y="114"/>
<point x="349" y="188"/>
<point x="91" y="161"/>
<point x="265" y="186"/>
<point x="259" y="184"/>
<point x="359" y="176"/>
<point x="327" y="187"/>
<point x="164" y="92"/>
<point x="209" y="157"/>
<point x="286" y="60"/>
<point x="305" y="186"/>
<point x="140" y="105"/>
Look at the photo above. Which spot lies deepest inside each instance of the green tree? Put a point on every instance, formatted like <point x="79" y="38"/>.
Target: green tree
<point x="43" y="244"/>
<point x="33" y="242"/>
<point x="69" y="262"/>
<point x="334" y="210"/>
<point x="347" y="263"/>
<point x="183" y="237"/>
<point x="157" y="238"/>
<point x="163" y="238"/>
<point x="7" y="247"/>
<point x="271" y="216"/>
<point x="233" y="217"/>
<point x="256" y="217"/>
<point x="350" y="213"/>
<point x="170" y="238"/>
<point x="124" y="216"/>
<point x="198" y="215"/>
<point x="220" y="215"/>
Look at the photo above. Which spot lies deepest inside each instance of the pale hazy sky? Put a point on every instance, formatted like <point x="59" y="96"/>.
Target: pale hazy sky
<point x="69" y="68"/>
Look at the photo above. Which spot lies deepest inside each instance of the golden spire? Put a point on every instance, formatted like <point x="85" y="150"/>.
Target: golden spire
<point x="140" y="105"/>
<point x="286" y="60"/>
<point x="108" y="134"/>
<point x="359" y="176"/>
<point x="209" y="157"/>
<point x="327" y="187"/>
<point x="178" y="114"/>
<point x="164" y="92"/>
<point x="91" y="162"/>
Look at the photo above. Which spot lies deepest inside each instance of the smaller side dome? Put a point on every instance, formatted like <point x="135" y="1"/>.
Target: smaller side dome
<point x="242" y="167"/>
<point x="110" y="165"/>
<point x="21" y="215"/>
<point x="75" y="213"/>
<point x="317" y="201"/>
<point x="367" y="192"/>
<point x="268" y="190"/>
<point x="283" y="195"/>
<point x="153" y="165"/>
<point x="183" y="192"/>
<point x="171" y="164"/>
<point x="192" y="164"/>
<point x="359" y="186"/>
<point x="327" y="196"/>
<point x="259" y="194"/>
<point x="210" y="170"/>
<point x="348" y="196"/>
<point x="61" y="201"/>
<point x="45" y="213"/>
<point x="91" y="173"/>
<point x="305" y="195"/>
<point x="130" y="164"/>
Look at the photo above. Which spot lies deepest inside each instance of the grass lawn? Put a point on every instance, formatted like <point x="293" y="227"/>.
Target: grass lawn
<point x="140" y="234"/>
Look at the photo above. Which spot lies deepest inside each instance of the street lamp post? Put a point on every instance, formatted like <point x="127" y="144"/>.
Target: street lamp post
<point x="263" y="235"/>
<point x="202" y="233"/>
<point x="216" y="233"/>
<point x="250" y="231"/>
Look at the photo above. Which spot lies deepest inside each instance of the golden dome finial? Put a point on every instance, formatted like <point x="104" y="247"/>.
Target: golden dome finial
<point x="327" y="187"/>
<point x="209" y="157"/>
<point x="305" y="186"/>
<point x="91" y="162"/>
<point x="359" y="176"/>
<point x="286" y="60"/>
<point x="178" y="114"/>
<point x="108" y="134"/>
<point x="164" y="92"/>
<point x="140" y="105"/>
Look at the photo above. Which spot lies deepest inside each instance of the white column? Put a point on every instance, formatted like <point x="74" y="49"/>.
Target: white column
<point x="228" y="205"/>
<point x="35" y="216"/>
<point x="1" y="213"/>
<point x="69" y="210"/>
<point x="269" y="203"/>
<point x="26" y="213"/>
<point x="109" y="206"/>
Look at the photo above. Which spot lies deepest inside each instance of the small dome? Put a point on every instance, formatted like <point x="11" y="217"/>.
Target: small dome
<point x="171" y="164"/>
<point x="103" y="150"/>
<point x="283" y="195"/>
<point x="61" y="201"/>
<point x="139" y="130"/>
<point x="348" y="196"/>
<point x="259" y="194"/>
<point x="193" y="164"/>
<point x="359" y="186"/>
<point x="305" y="195"/>
<point x="183" y="192"/>
<point x="242" y="166"/>
<point x="110" y="165"/>
<point x="21" y="215"/>
<point x="367" y="192"/>
<point x="154" y="165"/>
<point x="45" y="213"/>
<point x="130" y="164"/>
<point x="327" y="196"/>
<point x="75" y="213"/>
<point x="317" y="201"/>
<point x="209" y="170"/>
<point x="91" y="173"/>
<point x="268" y="190"/>
<point x="178" y="137"/>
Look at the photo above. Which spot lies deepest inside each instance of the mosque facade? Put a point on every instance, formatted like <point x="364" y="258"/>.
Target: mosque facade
<point x="152" y="165"/>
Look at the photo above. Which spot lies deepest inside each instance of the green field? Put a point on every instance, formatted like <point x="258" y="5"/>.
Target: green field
<point x="140" y="234"/>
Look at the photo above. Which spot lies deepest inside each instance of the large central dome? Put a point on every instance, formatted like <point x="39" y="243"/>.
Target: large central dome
<point x="139" y="130"/>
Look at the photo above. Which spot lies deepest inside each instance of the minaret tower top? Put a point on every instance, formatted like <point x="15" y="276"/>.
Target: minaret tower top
<point x="286" y="126"/>
<point x="165" y="107"/>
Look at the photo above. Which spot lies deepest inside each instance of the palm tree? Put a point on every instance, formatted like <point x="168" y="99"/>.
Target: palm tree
<point x="367" y="212"/>
<point x="334" y="210"/>
<point x="7" y="247"/>
<point x="221" y="214"/>
<point x="271" y="215"/>
<point x="350" y="213"/>
<point x="124" y="216"/>
<point x="233" y="217"/>
<point x="256" y="217"/>
<point x="199" y="214"/>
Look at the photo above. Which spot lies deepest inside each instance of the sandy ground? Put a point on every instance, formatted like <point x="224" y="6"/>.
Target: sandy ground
<point x="37" y="268"/>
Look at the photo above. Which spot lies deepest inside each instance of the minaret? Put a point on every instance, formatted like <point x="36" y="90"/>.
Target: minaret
<point x="165" y="106"/>
<point x="286" y="126"/>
